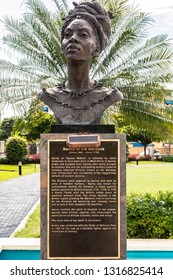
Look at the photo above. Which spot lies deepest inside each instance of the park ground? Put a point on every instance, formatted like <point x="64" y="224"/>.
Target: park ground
<point x="146" y="177"/>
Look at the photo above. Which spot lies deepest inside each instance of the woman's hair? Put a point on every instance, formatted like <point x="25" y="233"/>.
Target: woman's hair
<point x="96" y="15"/>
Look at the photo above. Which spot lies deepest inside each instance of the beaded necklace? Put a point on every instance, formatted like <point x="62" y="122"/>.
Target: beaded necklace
<point x="74" y="94"/>
<point x="85" y="107"/>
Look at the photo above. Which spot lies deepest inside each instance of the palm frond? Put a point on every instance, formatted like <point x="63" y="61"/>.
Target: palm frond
<point x="127" y="32"/>
<point x="62" y="5"/>
<point x="158" y="59"/>
<point x="138" y="66"/>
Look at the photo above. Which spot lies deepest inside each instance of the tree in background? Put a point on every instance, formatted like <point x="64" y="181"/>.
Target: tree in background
<point x="138" y="66"/>
<point x="16" y="149"/>
<point x="144" y="136"/>
<point x="6" y="128"/>
<point x="33" y="125"/>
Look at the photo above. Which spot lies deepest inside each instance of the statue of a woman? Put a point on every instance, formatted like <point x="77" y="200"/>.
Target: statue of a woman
<point x="79" y="100"/>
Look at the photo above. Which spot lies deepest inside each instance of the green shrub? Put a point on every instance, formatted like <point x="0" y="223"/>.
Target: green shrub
<point x="32" y="148"/>
<point x="16" y="149"/>
<point x="168" y="158"/>
<point x="150" y="216"/>
<point x="4" y="161"/>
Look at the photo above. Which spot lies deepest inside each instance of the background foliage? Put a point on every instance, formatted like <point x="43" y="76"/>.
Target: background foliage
<point x="16" y="149"/>
<point x="150" y="216"/>
<point x="6" y="128"/>
<point x="34" y="124"/>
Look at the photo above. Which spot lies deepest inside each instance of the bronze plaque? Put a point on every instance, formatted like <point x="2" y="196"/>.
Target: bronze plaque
<point x="83" y="201"/>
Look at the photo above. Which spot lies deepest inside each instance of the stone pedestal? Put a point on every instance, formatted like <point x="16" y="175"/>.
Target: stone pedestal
<point x="83" y="197"/>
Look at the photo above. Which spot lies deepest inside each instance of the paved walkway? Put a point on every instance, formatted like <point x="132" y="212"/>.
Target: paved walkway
<point x="17" y="197"/>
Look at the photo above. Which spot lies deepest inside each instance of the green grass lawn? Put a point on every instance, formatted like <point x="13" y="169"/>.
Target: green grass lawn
<point x="8" y="172"/>
<point x="146" y="177"/>
<point x="32" y="228"/>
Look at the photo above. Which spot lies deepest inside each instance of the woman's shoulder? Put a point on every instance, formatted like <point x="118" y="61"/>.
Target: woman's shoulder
<point x="105" y="92"/>
<point x="54" y="91"/>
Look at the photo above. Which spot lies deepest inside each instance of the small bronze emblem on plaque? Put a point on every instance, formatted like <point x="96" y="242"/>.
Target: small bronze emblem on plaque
<point x="83" y="141"/>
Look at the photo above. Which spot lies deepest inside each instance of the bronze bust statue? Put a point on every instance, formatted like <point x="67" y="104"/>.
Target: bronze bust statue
<point x="79" y="100"/>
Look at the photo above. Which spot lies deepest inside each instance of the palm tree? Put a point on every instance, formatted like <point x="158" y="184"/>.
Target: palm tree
<point x="138" y="66"/>
<point x="35" y="42"/>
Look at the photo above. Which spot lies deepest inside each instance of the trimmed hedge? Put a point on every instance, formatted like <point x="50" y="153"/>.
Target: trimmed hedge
<point x="16" y="149"/>
<point x="168" y="158"/>
<point x="150" y="216"/>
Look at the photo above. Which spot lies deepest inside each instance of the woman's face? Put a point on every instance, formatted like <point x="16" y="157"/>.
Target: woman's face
<point x="79" y="41"/>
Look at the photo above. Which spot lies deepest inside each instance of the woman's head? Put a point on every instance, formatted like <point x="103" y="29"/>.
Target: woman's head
<point x="79" y="42"/>
<point x="96" y="16"/>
